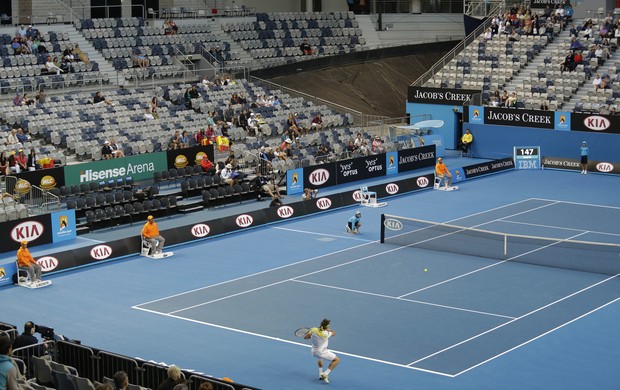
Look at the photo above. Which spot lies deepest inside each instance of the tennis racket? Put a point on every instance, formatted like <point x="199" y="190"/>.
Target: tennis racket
<point x="301" y="332"/>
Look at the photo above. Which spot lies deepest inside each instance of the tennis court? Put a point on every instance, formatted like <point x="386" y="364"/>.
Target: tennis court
<point x="229" y="306"/>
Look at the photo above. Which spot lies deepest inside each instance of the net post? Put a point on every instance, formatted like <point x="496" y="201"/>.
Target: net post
<point x="382" y="240"/>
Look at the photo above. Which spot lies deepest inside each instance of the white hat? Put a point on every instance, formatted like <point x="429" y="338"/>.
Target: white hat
<point x="228" y="166"/>
<point x="288" y="141"/>
<point x="262" y="147"/>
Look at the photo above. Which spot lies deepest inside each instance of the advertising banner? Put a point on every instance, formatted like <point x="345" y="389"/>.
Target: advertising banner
<point x="475" y="114"/>
<point x="318" y="176"/>
<point x="443" y="96"/>
<point x="488" y="167"/>
<point x="287" y="211"/>
<point x="6" y="273"/>
<point x="139" y="167"/>
<point x="595" y="123"/>
<point x="553" y="4"/>
<point x="36" y="230"/>
<point x="391" y="163"/>
<point x="63" y="225"/>
<point x="44" y="178"/>
<point x="521" y="118"/>
<point x="324" y="203"/>
<point x="574" y="165"/>
<point x="181" y="158"/>
<point x="416" y="158"/>
<point x="360" y="168"/>
<point x="562" y="120"/>
<point x="294" y="181"/>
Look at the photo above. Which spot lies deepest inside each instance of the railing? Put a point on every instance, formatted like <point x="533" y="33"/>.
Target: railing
<point x="88" y="8"/>
<point x="74" y="6"/>
<point x="66" y="85"/>
<point x="38" y="200"/>
<point x="451" y="54"/>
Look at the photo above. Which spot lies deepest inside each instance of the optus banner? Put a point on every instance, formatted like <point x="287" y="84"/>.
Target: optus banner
<point x="139" y="167"/>
<point x="360" y="168"/>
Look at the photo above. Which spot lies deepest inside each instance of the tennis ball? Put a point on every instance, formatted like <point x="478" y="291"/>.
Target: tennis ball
<point x="425" y="269"/>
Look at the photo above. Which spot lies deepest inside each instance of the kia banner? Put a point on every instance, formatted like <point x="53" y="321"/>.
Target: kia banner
<point x="595" y="123"/>
<point x="488" y="167"/>
<point x="324" y="203"/>
<point x="360" y="168"/>
<point x="319" y="176"/>
<point x="36" y="230"/>
<point x="416" y="158"/>
<point x="286" y="211"/>
<point x="574" y="165"/>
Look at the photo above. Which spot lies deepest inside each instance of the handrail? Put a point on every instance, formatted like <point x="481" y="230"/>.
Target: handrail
<point x="107" y="9"/>
<point x="452" y="54"/>
<point x="73" y="9"/>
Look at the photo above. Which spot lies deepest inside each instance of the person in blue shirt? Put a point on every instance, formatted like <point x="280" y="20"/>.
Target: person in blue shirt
<point x="354" y="225"/>
<point x="584" y="158"/>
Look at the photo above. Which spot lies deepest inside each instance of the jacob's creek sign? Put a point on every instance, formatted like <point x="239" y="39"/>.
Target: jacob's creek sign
<point x="544" y="3"/>
<point x="440" y="95"/>
<point x="139" y="167"/>
<point x="522" y="118"/>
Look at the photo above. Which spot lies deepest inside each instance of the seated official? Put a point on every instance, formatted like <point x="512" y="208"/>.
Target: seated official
<point x="466" y="140"/>
<point x="442" y="172"/>
<point x="150" y="234"/>
<point x="27" y="263"/>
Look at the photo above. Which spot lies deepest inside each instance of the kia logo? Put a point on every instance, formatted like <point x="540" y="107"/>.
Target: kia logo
<point x="393" y="224"/>
<point x="324" y="203"/>
<point x="200" y="230"/>
<point x="101" y="252"/>
<point x="422" y="181"/>
<point x="244" y="220"/>
<point x="285" y="211"/>
<point x="357" y="196"/>
<point x="392" y="188"/>
<point x="597" y="123"/>
<point x="47" y="263"/>
<point x="319" y="177"/>
<point x="604" y="167"/>
<point x="27" y="231"/>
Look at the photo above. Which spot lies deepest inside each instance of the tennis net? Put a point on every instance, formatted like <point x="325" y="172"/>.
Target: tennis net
<point x="603" y="258"/>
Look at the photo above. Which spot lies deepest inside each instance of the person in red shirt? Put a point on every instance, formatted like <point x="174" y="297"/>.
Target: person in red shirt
<point x="442" y="172"/>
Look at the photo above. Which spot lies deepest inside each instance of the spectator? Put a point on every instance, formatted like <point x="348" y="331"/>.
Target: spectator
<point x="544" y="106"/>
<point x="22" y="160"/>
<point x="80" y="55"/>
<point x="153" y="107"/>
<point x="12" y="138"/>
<point x="4" y="164"/>
<point x="377" y="145"/>
<point x="175" y="377"/>
<point x="51" y="67"/>
<point x="32" y="163"/>
<point x="359" y="140"/>
<point x="317" y="122"/>
<point x="117" y="150"/>
<point x="106" y="151"/>
<point x="101" y="99"/>
<point x="40" y="96"/>
<point x="139" y="59"/>
<point x="305" y="48"/>
<point x="9" y="372"/>
<point x="596" y="81"/>
<point x="226" y="175"/>
<point x="511" y="102"/>
<point x="263" y="184"/>
<point x="184" y="139"/>
<point x="121" y="381"/>
<point x="175" y="141"/>
<point x="27" y="338"/>
<point x="309" y="194"/>
<point x="207" y="165"/>
<point x="13" y="164"/>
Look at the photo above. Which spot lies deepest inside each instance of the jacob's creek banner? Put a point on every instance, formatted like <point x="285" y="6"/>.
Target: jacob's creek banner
<point x="544" y="3"/>
<point x="99" y="252"/>
<point x="522" y="118"/>
<point x="488" y="167"/>
<point x="443" y="96"/>
<point x="574" y="165"/>
<point x="139" y="167"/>
<point x="181" y="158"/>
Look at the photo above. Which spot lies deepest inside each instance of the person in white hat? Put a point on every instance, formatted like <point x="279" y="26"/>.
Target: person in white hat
<point x="584" y="158"/>
<point x="106" y="151"/>
<point x="226" y="174"/>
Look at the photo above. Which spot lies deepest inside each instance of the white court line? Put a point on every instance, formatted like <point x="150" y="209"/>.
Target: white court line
<point x="560" y="228"/>
<point x="539" y="336"/>
<point x="349" y="237"/>
<point x="293" y="342"/>
<point x="403" y="299"/>
<point x="90" y="239"/>
<point x="516" y="319"/>
<point x="578" y="203"/>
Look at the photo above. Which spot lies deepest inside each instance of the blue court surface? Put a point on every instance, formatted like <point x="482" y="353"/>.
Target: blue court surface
<point x="406" y="317"/>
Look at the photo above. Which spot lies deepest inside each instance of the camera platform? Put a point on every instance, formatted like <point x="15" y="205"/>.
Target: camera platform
<point x="158" y="256"/>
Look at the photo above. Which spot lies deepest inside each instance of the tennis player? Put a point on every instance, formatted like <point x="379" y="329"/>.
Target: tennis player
<point x="320" y="338"/>
<point x="353" y="225"/>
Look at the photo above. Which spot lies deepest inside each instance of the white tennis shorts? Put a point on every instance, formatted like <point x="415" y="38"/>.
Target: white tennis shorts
<point x="324" y="354"/>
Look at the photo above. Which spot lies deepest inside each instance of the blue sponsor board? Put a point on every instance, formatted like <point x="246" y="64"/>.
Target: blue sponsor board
<point x="457" y="174"/>
<point x="476" y="114"/>
<point x="562" y="120"/>
<point x="434" y="139"/>
<point x="63" y="225"/>
<point x="6" y="273"/>
<point x="295" y="181"/>
<point x="391" y="163"/>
